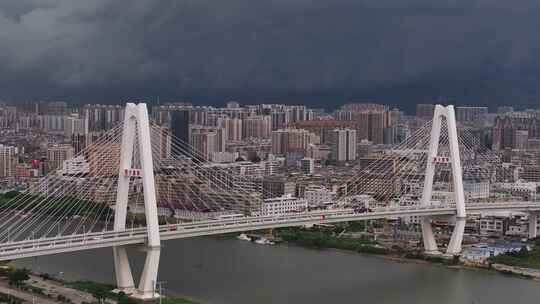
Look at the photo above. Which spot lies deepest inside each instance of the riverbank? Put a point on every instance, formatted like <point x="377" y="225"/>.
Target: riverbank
<point x="525" y="264"/>
<point x="19" y="285"/>
<point x="523" y="258"/>
<point x="106" y="291"/>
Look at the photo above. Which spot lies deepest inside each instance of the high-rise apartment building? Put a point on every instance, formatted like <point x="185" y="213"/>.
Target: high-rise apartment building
<point x="203" y="142"/>
<point x="8" y="116"/>
<point x="75" y="125"/>
<point x="162" y="139"/>
<point x="8" y="160"/>
<point x="468" y="114"/>
<point x="343" y="145"/>
<point x="506" y="128"/>
<point x="199" y="115"/>
<point x="57" y="108"/>
<point x="180" y="124"/>
<point x="285" y="115"/>
<point x="256" y="127"/>
<point x="425" y="111"/>
<point x="103" y="159"/>
<point x="286" y="141"/>
<point x="521" y="139"/>
<point x="58" y="153"/>
<point x="372" y="120"/>
<point x="377" y="123"/>
<point x="207" y="140"/>
<point x="52" y="123"/>
<point x="102" y="117"/>
<point x="232" y="126"/>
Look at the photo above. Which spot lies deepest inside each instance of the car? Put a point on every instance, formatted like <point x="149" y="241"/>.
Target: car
<point x="361" y="210"/>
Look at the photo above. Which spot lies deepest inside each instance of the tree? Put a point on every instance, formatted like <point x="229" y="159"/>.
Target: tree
<point x="99" y="293"/>
<point x="255" y="159"/>
<point x="11" y="194"/>
<point x="18" y="275"/>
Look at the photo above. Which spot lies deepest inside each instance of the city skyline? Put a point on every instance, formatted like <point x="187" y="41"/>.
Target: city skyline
<point x="41" y="105"/>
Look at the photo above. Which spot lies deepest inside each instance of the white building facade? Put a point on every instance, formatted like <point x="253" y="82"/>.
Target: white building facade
<point x="283" y="205"/>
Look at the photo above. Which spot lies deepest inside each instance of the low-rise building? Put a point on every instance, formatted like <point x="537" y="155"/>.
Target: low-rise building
<point x="526" y="190"/>
<point x="518" y="229"/>
<point x="318" y="196"/>
<point x="307" y="165"/>
<point x="492" y="226"/>
<point x="76" y="166"/>
<point x="225" y="157"/>
<point x="282" y="205"/>
<point x="476" y="189"/>
<point x="278" y="186"/>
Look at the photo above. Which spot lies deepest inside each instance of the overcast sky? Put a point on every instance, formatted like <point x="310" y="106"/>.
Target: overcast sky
<point x="312" y="51"/>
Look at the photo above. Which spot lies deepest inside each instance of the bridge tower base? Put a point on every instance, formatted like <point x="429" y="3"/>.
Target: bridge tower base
<point x="124" y="278"/>
<point x="137" y="125"/>
<point x="430" y="244"/>
<point x="454" y="247"/>
<point x="533" y="225"/>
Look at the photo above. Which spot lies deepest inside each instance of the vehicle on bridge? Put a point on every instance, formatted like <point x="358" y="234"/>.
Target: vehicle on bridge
<point x="362" y="210"/>
<point x="229" y="216"/>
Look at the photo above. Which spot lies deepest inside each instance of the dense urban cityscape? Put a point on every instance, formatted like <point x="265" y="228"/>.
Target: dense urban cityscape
<point x="292" y="159"/>
<point x="300" y="158"/>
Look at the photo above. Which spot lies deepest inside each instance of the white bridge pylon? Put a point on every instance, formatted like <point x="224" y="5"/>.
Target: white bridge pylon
<point x="430" y="245"/>
<point x="137" y="125"/>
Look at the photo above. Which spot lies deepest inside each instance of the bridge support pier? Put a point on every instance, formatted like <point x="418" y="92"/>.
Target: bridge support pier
<point x="430" y="244"/>
<point x="533" y="225"/>
<point x="454" y="247"/>
<point x="124" y="278"/>
<point x="147" y="284"/>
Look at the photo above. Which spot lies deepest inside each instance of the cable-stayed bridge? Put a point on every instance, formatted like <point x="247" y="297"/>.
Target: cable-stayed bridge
<point x="139" y="172"/>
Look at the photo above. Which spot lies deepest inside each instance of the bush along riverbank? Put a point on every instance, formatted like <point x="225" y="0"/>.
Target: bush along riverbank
<point x="320" y="238"/>
<point x="105" y="292"/>
<point x="523" y="263"/>
<point x="324" y="238"/>
<point x="18" y="285"/>
<point x="523" y="258"/>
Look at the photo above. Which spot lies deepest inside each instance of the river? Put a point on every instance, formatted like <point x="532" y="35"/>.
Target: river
<point x="224" y="270"/>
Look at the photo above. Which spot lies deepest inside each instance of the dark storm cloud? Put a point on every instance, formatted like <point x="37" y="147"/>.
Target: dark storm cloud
<point x="475" y="51"/>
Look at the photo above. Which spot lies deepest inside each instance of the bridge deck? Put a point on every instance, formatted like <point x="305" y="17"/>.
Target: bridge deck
<point x="70" y="243"/>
